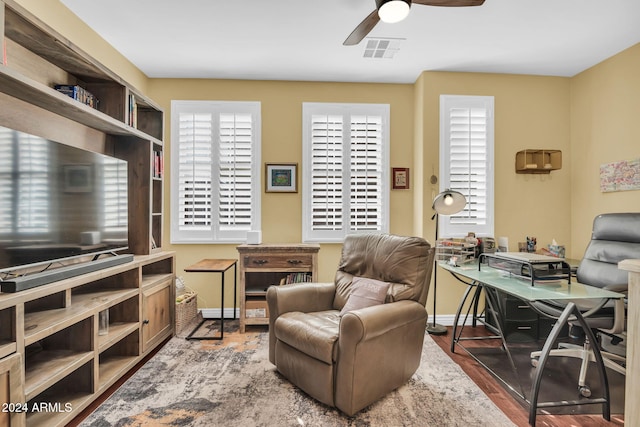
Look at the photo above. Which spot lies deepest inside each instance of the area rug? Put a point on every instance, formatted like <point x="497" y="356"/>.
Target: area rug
<point x="231" y="383"/>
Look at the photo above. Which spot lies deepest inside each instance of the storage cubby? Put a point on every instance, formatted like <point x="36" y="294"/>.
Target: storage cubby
<point x="538" y="161"/>
<point x="55" y="356"/>
<point x="56" y="404"/>
<point x="118" y="358"/>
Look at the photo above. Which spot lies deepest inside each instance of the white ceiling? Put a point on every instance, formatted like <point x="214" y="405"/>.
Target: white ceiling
<point x="302" y="39"/>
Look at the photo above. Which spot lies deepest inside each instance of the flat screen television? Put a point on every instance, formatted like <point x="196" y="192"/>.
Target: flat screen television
<point x="58" y="202"/>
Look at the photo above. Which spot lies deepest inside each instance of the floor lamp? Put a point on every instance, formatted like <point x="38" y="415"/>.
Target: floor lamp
<point x="448" y="202"/>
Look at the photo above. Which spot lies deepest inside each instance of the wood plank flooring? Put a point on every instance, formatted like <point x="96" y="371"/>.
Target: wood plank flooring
<point x="516" y="412"/>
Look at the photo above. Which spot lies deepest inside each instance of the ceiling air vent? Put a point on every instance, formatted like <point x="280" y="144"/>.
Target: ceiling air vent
<point x="381" y="48"/>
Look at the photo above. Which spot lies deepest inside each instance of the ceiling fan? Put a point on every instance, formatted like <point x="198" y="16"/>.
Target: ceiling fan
<point x="391" y="11"/>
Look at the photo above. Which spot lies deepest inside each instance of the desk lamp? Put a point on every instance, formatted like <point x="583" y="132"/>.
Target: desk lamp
<point x="448" y="202"/>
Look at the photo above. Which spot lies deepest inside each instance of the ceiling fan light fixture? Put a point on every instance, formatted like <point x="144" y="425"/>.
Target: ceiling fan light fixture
<point x="391" y="11"/>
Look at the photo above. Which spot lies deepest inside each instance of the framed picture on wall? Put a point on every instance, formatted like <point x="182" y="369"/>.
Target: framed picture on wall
<point x="400" y="178"/>
<point x="281" y="177"/>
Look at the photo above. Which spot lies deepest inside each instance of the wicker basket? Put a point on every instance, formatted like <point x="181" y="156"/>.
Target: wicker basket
<point x="186" y="310"/>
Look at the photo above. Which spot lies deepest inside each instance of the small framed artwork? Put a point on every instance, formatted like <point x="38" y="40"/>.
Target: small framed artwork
<point x="281" y="177"/>
<point x="400" y="178"/>
<point x="78" y="178"/>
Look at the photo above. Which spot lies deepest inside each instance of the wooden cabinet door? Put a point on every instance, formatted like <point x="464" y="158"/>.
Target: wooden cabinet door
<point x="11" y="392"/>
<point x="156" y="313"/>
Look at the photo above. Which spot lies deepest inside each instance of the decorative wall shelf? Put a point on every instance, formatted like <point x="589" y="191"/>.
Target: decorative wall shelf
<point x="538" y="161"/>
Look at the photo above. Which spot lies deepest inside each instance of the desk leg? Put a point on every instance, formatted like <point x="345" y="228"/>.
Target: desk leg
<point x="569" y="310"/>
<point x="455" y="336"/>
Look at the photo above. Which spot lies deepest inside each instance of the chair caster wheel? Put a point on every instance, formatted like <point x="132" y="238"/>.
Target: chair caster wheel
<point x="534" y="363"/>
<point x="585" y="391"/>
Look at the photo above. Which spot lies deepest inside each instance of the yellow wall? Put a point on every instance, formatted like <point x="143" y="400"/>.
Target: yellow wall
<point x="593" y="118"/>
<point x="281" y="104"/>
<point x="605" y="125"/>
<point x="530" y="112"/>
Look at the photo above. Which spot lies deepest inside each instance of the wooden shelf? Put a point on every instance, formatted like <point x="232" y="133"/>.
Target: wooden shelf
<point x="117" y="331"/>
<point x="41" y="324"/>
<point x="536" y="161"/>
<point x="48" y="367"/>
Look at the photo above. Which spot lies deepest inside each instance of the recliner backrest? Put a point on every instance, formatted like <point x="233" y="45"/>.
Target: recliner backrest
<point x="615" y="237"/>
<point x="405" y="262"/>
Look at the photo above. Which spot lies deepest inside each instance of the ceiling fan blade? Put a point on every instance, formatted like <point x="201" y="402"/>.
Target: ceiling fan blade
<point x="449" y="3"/>
<point x="363" y="29"/>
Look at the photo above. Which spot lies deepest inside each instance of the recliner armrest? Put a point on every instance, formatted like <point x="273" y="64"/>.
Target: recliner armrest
<point x="370" y="322"/>
<point x="304" y="297"/>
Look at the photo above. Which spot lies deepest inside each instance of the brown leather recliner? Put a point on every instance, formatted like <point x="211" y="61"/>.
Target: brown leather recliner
<point x="349" y="360"/>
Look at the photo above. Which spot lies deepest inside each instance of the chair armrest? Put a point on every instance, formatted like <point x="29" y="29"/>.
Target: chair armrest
<point x="370" y="322"/>
<point x="379" y="348"/>
<point x="304" y="297"/>
<point x="621" y="288"/>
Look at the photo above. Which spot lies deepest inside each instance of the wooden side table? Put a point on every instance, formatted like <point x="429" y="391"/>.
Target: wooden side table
<point x="215" y="266"/>
<point x="271" y="264"/>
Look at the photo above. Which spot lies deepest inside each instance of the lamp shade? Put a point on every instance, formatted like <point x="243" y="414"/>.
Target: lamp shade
<point x="449" y="202"/>
<point x="391" y="11"/>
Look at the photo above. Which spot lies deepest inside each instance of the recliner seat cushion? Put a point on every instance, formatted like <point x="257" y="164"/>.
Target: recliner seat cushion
<point x="314" y="334"/>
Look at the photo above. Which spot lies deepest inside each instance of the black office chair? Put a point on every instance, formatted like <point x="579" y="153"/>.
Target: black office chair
<point x="615" y="237"/>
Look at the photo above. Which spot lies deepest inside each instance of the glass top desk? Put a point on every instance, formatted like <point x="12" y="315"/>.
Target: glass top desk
<point x="579" y="301"/>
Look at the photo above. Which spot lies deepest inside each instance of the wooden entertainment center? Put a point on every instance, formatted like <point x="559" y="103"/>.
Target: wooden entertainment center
<point x="54" y="360"/>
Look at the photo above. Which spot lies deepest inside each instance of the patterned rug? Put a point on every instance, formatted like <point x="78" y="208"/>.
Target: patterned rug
<point x="231" y="383"/>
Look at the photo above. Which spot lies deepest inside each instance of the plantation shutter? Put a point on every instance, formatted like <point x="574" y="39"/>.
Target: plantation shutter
<point x="33" y="191"/>
<point x="366" y="173"/>
<point x="344" y="165"/>
<point x="467" y="154"/>
<point x="217" y="145"/>
<point x="194" y="172"/>
<point x="327" y="174"/>
<point x="235" y="210"/>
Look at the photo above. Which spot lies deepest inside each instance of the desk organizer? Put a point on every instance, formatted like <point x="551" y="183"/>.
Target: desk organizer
<point x="536" y="269"/>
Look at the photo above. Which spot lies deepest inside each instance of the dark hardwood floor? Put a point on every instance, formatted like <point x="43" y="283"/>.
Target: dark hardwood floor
<point x="503" y="399"/>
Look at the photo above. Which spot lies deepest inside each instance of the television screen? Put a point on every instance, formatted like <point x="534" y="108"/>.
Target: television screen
<point x="58" y="201"/>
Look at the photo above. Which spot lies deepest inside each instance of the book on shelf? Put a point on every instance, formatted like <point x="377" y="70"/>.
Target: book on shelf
<point x="295" y="278"/>
<point x="133" y="111"/>
<point x="79" y="94"/>
<point x="158" y="164"/>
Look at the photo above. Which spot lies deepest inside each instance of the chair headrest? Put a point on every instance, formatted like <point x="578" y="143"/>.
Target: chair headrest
<point x="620" y="227"/>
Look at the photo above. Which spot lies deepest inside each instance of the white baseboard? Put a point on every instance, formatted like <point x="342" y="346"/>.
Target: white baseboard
<point x="214" y="313"/>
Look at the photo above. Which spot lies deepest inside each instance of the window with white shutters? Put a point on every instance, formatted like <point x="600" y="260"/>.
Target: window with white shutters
<point x="466" y="162"/>
<point x="215" y="152"/>
<point x="345" y="166"/>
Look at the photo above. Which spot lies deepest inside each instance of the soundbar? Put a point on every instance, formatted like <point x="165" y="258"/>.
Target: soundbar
<point x="49" y="276"/>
